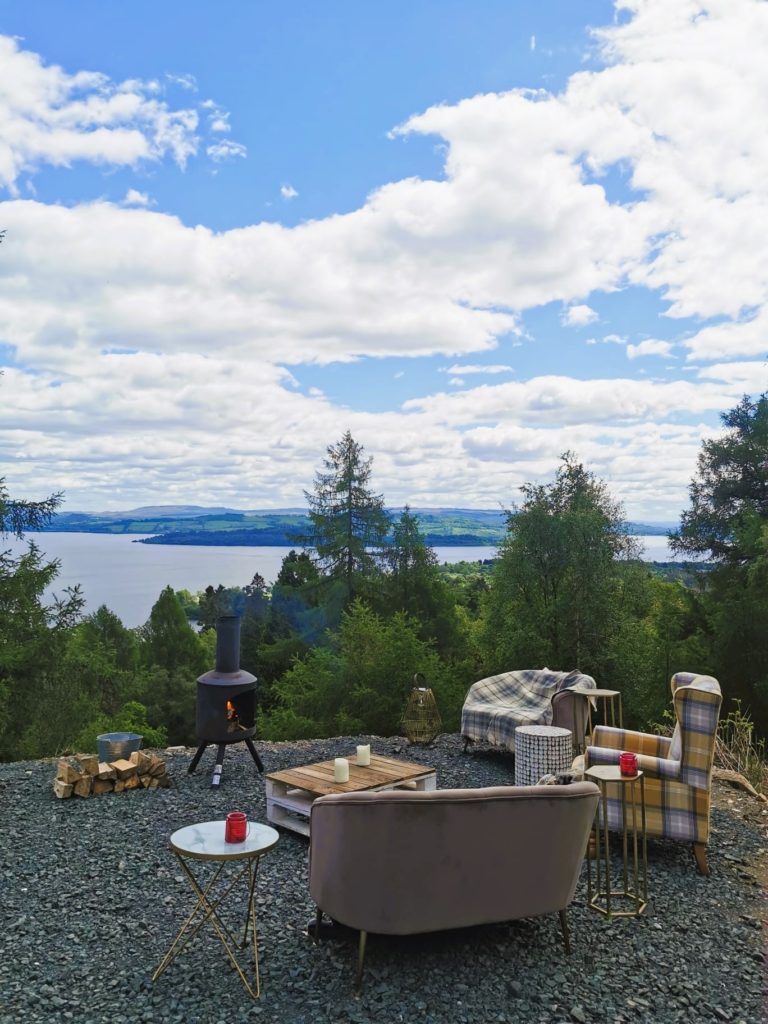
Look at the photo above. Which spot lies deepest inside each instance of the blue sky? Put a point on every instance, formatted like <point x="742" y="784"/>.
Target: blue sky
<point x="476" y="235"/>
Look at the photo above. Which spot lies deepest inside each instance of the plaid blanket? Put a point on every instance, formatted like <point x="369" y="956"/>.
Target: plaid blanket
<point x="495" y="706"/>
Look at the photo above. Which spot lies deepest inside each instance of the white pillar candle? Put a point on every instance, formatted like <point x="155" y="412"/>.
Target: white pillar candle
<point x="340" y="769"/>
<point x="364" y="754"/>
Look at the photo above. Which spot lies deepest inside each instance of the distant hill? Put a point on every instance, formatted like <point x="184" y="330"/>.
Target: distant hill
<point x="218" y="525"/>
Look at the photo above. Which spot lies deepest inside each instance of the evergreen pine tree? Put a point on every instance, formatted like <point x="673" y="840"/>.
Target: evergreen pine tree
<point x="348" y="521"/>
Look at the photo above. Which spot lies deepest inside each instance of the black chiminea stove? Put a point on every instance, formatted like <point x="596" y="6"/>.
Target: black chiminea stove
<point x="226" y="700"/>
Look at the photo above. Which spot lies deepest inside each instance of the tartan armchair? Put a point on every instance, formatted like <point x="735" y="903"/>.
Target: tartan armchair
<point x="677" y="769"/>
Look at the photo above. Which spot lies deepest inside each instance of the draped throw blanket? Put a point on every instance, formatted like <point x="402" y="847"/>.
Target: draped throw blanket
<point x="495" y="706"/>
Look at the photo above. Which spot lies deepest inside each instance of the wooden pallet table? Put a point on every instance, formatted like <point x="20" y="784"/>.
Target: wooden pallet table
<point x="291" y="793"/>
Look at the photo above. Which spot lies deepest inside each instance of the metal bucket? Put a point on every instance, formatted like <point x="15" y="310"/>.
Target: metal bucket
<point x="112" y="746"/>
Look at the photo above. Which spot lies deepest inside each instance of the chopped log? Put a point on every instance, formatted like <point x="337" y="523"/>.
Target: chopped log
<point x="158" y="767"/>
<point x="142" y="761"/>
<point x="83" y="786"/>
<point x="164" y="781"/>
<point x="89" y="762"/>
<point x="145" y="780"/>
<point x="102" y="786"/>
<point x="132" y="782"/>
<point x="106" y="771"/>
<point x="69" y="770"/>
<point x="176" y="750"/>
<point x="124" y="769"/>
<point x="62" y="789"/>
<point x="119" y="786"/>
<point x="153" y="782"/>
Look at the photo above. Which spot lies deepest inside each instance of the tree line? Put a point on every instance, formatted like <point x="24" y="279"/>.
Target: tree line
<point x="363" y="605"/>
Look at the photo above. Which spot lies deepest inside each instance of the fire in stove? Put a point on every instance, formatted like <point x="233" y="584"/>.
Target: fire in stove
<point x="232" y="717"/>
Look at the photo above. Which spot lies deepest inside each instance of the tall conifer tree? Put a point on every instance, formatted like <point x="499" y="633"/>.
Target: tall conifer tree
<point x="348" y="521"/>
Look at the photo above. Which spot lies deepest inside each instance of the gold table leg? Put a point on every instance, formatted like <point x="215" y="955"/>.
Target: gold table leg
<point x="638" y="865"/>
<point x="208" y="910"/>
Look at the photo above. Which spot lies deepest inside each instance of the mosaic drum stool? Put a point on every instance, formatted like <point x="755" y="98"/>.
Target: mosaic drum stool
<point x="541" y="750"/>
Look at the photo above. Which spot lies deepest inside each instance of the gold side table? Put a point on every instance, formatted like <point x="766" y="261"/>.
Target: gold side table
<point x="609" y="698"/>
<point x="632" y="898"/>
<point x="205" y="842"/>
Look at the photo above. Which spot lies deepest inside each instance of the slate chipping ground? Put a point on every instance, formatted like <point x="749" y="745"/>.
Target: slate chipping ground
<point x="91" y="896"/>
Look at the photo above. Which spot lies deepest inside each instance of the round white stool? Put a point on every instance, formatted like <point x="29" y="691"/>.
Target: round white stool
<point x="541" y="750"/>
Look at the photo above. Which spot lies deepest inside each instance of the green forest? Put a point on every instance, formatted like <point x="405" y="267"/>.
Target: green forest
<point x="361" y="605"/>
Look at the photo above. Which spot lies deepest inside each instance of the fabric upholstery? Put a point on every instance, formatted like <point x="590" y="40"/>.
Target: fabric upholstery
<point x="402" y="862"/>
<point x="677" y="789"/>
<point x="495" y="706"/>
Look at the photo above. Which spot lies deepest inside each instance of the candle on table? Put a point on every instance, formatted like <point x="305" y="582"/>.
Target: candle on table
<point x="340" y="769"/>
<point x="364" y="754"/>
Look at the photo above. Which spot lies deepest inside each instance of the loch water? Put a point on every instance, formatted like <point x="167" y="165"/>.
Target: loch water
<point x="127" y="577"/>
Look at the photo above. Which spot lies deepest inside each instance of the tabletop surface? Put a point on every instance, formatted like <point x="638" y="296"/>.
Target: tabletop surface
<point x="610" y="773"/>
<point x="595" y="692"/>
<point x="205" y="841"/>
<point x="382" y="771"/>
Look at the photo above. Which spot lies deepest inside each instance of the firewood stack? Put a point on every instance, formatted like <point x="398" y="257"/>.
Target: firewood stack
<point x="84" y="775"/>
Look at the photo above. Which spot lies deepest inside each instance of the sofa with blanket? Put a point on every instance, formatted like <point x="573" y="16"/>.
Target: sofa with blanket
<point x="495" y="706"/>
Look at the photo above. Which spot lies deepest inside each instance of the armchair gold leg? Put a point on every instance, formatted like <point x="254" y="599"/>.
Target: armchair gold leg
<point x="700" y="853"/>
<point x="566" y="936"/>
<point x="360" y="960"/>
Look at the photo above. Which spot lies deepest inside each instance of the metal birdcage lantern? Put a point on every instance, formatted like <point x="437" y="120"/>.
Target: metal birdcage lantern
<point x="421" y="719"/>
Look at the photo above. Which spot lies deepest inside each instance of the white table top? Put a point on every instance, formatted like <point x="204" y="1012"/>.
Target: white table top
<point x="595" y="691"/>
<point x="610" y="773"/>
<point x="205" y="841"/>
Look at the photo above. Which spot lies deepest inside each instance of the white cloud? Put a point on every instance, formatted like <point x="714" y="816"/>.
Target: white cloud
<point x="48" y="116"/>
<point x="288" y="191"/>
<point x="578" y="316"/>
<point x="478" y="368"/>
<point x="226" y="150"/>
<point x="559" y="401"/>
<point x="742" y="338"/>
<point x="532" y="44"/>
<point x="135" y="198"/>
<point x="747" y="375"/>
<point x="607" y="339"/>
<point x="186" y="81"/>
<point x="650" y="347"/>
<point x="218" y="117"/>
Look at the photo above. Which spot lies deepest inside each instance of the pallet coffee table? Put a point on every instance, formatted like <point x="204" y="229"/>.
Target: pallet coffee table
<point x="291" y="793"/>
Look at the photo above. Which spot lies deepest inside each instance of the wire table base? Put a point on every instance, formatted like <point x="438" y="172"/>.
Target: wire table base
<point x="205" y="842"/>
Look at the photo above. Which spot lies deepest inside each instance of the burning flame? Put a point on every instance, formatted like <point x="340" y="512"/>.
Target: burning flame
<point x="230" y="711"/>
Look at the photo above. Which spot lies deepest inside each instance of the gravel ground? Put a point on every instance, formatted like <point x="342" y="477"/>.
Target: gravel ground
<point x="91" y="895"/>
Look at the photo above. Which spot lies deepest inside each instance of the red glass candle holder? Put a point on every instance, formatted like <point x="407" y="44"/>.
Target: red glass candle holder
<point x="628" y="763"/>
<point x="236" y="827"/>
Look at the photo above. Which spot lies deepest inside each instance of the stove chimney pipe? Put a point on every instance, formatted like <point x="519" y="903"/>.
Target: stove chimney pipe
<point x="228" y="644"/>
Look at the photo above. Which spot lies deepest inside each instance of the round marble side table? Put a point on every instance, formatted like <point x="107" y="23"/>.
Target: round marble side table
<point x="205" y="842"/>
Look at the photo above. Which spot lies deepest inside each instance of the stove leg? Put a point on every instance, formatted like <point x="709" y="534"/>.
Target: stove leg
<point x="219" y="764"/>
<point x="196" y="759"/>
<point x="254" y="753"/>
